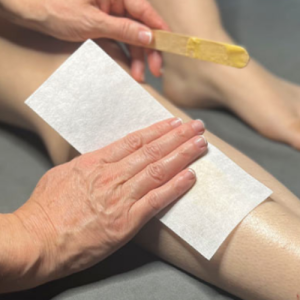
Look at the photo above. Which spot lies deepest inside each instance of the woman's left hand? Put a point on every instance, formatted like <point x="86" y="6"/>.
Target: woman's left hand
<point x="84" y="210"/>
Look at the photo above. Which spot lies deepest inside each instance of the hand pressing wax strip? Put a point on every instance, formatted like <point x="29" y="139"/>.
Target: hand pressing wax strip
<point x="194" y="47"/>
<point x="92" y="102"/>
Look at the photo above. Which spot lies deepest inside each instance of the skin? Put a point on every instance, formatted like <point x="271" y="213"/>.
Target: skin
<point x="190" y="83"/>
<point x="129" y="21"/>
<point x="264" y="246"/>
<point x="84" y="210"/>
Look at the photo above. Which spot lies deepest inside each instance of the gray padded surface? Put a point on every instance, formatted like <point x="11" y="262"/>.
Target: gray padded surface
<point x="270" y="30"/>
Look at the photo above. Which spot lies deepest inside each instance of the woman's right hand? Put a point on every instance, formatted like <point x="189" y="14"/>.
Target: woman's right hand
<point x="128" y="21"/>
<point x="86" y="209"/>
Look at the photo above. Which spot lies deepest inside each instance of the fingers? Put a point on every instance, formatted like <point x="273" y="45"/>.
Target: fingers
<point x="117" y="7"/>
<point x="142" y="11"/>
<point x="104" y="5"/>
<point x="134" y="141"/>
<point x="125" y="30"/>
<point x="156" y="200"/>
<point x="137" y="63"/>
<point x="159" y="172"/>
<point x="154" y="59"/>
<point x="159" y="148"/>
<point x="155" y="62"/>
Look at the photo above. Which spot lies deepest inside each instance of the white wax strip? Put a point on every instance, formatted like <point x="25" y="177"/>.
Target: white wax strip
<point x="92" y="102"/>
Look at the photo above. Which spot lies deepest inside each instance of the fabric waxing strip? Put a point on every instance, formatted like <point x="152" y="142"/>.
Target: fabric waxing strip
<point x="91" y="102"/>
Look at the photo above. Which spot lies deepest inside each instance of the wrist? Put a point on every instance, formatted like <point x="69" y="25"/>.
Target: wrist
<point x="17" y="254"/>
<point x="21" y="255"/>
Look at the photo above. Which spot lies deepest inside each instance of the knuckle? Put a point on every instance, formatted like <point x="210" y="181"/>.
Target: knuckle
<point x="133" y="141"/>
<point x="182" y="132"/>
<point x="129" y="189"/>
<point x="125" y="28"/>
<point x="161" y="128"/>
<point x="156" y="172"/>
<point x="107" y="178"/>
<point x="154" y="201"/>
<point x="86" y="161"/>
<point x="153" y="151"/>
<point x="179" y="188"/>
<point x="100" y="23"/>
<point x="185" y="153"/>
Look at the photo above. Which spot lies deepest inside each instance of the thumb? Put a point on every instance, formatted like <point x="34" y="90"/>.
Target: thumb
<point x="127" y="31"/>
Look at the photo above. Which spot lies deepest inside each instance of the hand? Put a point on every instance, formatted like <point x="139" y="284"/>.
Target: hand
<point x="84" y="210"/>
<point x="128" y="21"/>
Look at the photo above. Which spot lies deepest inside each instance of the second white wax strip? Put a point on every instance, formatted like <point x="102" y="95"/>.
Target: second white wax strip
<point x="92" y="102"/>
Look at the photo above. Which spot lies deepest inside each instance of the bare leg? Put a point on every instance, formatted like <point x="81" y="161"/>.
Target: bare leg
<point x="263" y="247"/>
<point x="260" y="95"/>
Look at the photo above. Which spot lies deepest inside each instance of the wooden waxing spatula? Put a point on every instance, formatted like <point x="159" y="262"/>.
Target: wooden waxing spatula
<point x="219" y="53"/>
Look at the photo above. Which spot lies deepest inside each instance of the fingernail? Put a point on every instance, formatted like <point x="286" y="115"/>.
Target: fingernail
<point x="201" y="121"/>
<point x="145" y="37"/>
<point x="189" y="174"/>
<point x="176" y="123"/>
<point x="200" y="141"/>
<point x="198" y="126"/>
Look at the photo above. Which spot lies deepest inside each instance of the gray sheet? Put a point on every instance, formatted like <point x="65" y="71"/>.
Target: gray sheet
<point x="270" y="30"/>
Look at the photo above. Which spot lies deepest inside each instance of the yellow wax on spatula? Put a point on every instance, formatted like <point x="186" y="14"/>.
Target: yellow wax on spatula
<point x="219" y="53"/>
